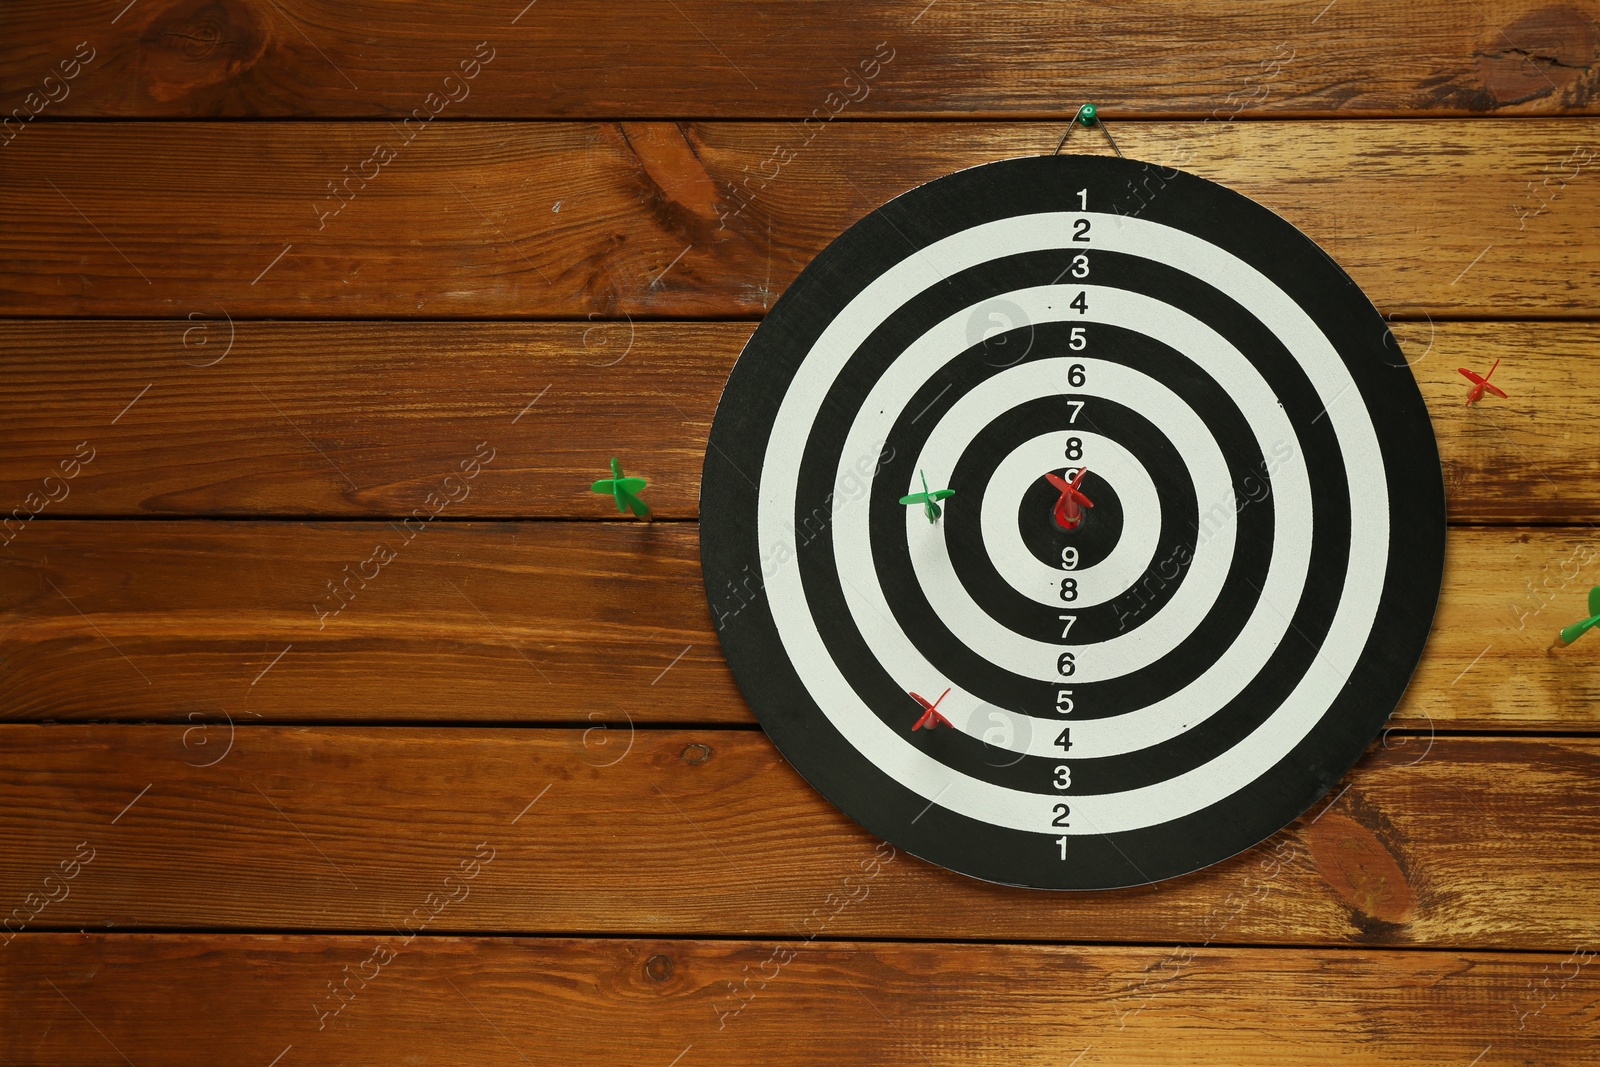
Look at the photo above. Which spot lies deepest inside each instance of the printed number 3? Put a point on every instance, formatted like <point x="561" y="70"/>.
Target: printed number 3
<point x="1063" y="778"/>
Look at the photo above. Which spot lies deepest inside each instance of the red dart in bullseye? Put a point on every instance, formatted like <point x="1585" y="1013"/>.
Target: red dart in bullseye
<point x="1069" y="509"/>
<point x="1479" y="384"/>
<point x="930" y="714"/>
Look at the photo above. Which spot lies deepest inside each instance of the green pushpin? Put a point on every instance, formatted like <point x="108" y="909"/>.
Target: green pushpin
<point x="927" y="498"/>
<point x="623" y="490"/>
<point x="1087" y="116"/>
<point x="1571" y="633"/>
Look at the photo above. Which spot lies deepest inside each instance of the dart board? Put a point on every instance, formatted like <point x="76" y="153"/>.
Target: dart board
<point x="1241" y="587"/>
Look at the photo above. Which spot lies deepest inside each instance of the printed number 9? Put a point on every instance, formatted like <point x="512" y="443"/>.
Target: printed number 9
<point x="1069" y="557"/>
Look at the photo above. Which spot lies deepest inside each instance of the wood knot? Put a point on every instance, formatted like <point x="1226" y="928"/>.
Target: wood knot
<point x="189" y="46"/>
<point x="658" y="968"/>
<point x="695" y="753"/>
<point x="671" y="168"/>
<point x="1542" y="53"/>
<point x="1360" y="867"/>
<point x="195" y="41"/>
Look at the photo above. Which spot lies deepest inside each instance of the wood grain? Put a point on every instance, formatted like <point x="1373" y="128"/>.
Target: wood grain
<point x="359" y="419"/>
<point x="562" y="1000"/>
<point x="366" y="418"/>
<point x="664" y="219"/>
<point x="684" y="832"/>
<point x="556" y="622"/>
<point x="718" y="58"/>
<point x="467" y="622"/>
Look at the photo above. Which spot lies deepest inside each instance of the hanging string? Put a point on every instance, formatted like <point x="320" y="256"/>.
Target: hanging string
<point x="1088" y="115"/>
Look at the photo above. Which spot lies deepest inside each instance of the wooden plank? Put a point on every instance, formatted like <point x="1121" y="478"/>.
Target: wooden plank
<point x="1533" y="438"/>
<point x="359" y="419"/>
<point x="680" y="219"/>
<point x="486" y="622"/>
<point x="557" y="622"/>
<point x="365" y="418"/>
<point x="720" y="58"/>
<point x="1472" y="842"/>
<point x="560" y="1000"/>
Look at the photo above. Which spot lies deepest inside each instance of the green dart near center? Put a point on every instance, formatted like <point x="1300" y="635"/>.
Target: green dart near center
<point x="624" y="490"/>
<point x="928" y="498"/>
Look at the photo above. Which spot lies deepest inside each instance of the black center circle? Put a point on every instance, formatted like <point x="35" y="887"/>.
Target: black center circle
<point x="1092" y="539"/>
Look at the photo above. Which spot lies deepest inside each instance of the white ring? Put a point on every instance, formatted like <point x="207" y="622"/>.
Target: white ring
<point x="1031" y="658"/>
<point x="1098" y="583"/>
<point x="930" y="554"/>
<point x="1347" y="636"/>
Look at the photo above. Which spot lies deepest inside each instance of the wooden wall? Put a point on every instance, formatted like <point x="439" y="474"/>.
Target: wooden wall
<point x="270" y="270"/>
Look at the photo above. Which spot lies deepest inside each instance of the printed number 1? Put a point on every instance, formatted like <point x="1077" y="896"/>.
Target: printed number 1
<point x="1083" y="199"/>
<point x="1062" y="841"/>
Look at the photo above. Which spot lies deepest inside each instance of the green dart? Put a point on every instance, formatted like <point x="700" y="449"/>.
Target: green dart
<point x="928" y="498"/>
<point x="624" y="490"/>
<point x="1571" y="633"/>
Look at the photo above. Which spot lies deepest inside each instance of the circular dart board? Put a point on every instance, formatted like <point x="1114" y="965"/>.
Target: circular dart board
<point x="1072" y="522"/>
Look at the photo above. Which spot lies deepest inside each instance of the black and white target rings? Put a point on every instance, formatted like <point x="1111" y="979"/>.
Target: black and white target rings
<point x="1194" y="657"/>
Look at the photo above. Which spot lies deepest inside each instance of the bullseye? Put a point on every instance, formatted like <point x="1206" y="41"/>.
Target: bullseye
<point x="1069" y="509"/>
<point x="1118" y="538"/>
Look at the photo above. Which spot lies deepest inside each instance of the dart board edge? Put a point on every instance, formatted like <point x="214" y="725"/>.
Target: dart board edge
<point x="1269" y="537"/>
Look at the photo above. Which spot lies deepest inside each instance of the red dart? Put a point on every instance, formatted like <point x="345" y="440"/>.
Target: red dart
<point x="930" y="715"/>
<point x="1479" y="384"/>
<point x="1069" y="509"/>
